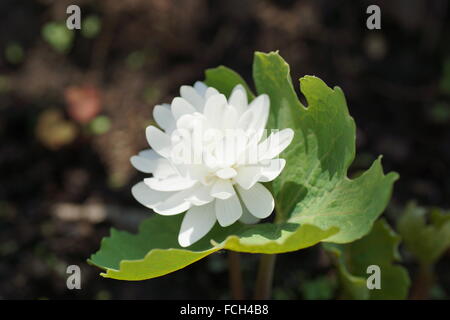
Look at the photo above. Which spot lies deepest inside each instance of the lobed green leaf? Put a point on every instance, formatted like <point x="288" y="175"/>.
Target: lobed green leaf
<point x="379" y="247"/>
<point x="426" y="241"/>
<point x="315" y="200"/>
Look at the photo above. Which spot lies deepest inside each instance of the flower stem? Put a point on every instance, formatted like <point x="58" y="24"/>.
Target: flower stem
<point x="264" y="279"/>
<point x="235" y="275"/>
<point x="422" y="283"/>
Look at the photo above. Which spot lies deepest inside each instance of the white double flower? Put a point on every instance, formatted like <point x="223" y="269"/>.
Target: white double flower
<point x="210" y="160"/>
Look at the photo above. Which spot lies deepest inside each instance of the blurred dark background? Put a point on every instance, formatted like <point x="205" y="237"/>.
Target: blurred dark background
<point x="74" y="106"/>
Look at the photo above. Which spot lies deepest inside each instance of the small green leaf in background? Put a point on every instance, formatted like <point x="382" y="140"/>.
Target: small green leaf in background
<point x="14" y="53"/>
<point x="100" y="125"/>
<point x="5" y="84"/>
<point x="58" y="36"/>
<point x="136" y="59"/>
<point x="440" y="113"/>
<point x="91" y="26"/>
<point x="320" y="288"/>
<point x="426" y="241"/>
<point x="379" y="247"/>
<point x="315" y="200"/>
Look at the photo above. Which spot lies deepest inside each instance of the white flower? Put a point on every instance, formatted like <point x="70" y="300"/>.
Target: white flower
<point x="210" y="160"/>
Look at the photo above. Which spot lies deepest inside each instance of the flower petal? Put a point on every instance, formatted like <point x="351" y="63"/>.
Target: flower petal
<point x="272" y="170"/>
<point x="197" y="222"/>
<point x="142" y="164"/>
<point x="260" y="108"/>
<point x="226" y="173"/>
<point x="230" y="118"/>
<point x="180" y="107"/>
<point x="210" y="92"/>
<point x="174" y="204"/>
<point x="192" y="96"/>
<point x="149" y="161"/>
<point x="238" y="99"/>
<point x="201" y="195"/>
<point x="159" y="141"/>
<point x="200" y="87"/>
<point x="222" y="189"/>
<point x="214" y="110"/>
<point x="228" y="211"/>
<point x="164" y="117"/>
<point x="176" y="183"/>
<point x="275" y="144"/>
<point x="247" y="217"/>
<point x="148" y="197"/>
<point x="258" y="200"/>
<point x="247" y="176"/>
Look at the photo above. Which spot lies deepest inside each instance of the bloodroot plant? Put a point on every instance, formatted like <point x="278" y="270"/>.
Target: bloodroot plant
<point x="224" y="158"/>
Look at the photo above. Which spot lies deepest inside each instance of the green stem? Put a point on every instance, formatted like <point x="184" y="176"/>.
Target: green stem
<point x="235" y="275"/>
<point x="422" y="283"/>
<point x="263" y="290"/>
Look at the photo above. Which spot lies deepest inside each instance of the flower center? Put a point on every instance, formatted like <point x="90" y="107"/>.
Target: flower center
<point x="226" y="173"/>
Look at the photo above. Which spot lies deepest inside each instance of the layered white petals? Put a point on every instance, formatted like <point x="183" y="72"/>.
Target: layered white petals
<point x="201" y="88"/>
<point x="201" y="195"/>
<point x="222" y="189"/>
<point x="148" y="161"/>
<point x="238" y="99"/>
<point x="259" y="108"/>
<point x="226" y="173"/>
<point x="209" y="160"/>
<point x="275" y="144"/>
<point x="159" y="141"/>
<point x="271" y="170"/>
<point x="142" y="164"/>
<point x="230" y="118"/>
<point x="175" y="183"/>
<point x="176" y="203"/>
<point x="148" y="197"/>
<point x="258" y="200"/>
<point x="228" y="211"/>
<point x="210" y="92"/>
<point x="197" y="222"/>
<point x="164" y="117"/>
<point x="214" y="110"/>
<point x="181" y="107"/>
<point x="193" y="97"/>
<point x="247" y="217"/>
<point x="247" y="176"/>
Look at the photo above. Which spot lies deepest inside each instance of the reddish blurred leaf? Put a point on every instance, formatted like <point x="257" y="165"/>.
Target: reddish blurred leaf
<point x="83" y="103"/>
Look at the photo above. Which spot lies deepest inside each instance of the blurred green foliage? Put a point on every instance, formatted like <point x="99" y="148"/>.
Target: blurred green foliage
<point x="320" y="288"/>
<point x="58" y="36"/>
<point x="91" y="26"/>
<point x="425" y="232"/>
<point x="14" y="53"/>
<point x="380" y="248"/>
<point x="100" y="125"/>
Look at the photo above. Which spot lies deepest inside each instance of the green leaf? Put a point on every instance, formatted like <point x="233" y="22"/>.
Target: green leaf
<point x="426" y="241"/>
<point x="314" y="198"/>
<point x="379" y="247"/>
<point x="154" y="251"/>
<point x="225" y="79"/>
<point x="313" y="187"/>
<point x="58" y="36"/>
<point x="91" y="26"/>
